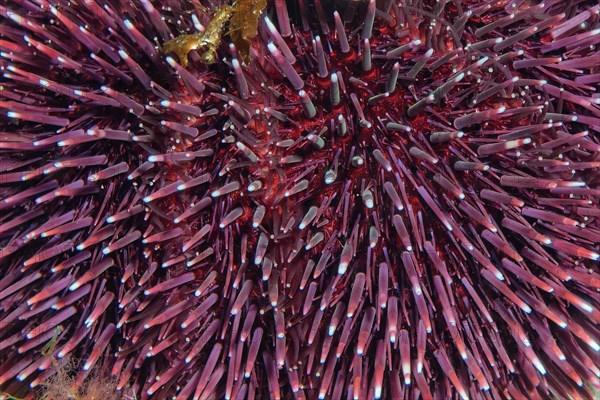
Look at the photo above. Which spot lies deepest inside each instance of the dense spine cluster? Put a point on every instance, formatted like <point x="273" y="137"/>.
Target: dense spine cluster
<point x="390" y="199"/>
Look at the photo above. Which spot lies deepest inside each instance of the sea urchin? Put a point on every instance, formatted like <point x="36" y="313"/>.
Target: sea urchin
<point x="386" y="199"/>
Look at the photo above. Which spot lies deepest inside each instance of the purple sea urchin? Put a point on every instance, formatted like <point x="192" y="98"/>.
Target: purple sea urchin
<point x="396" y="200"/>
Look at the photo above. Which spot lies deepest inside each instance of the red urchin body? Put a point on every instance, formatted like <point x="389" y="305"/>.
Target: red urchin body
<point x="397" y="201"/>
